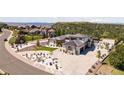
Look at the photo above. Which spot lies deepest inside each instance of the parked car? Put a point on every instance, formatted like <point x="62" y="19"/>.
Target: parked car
<point x="5" y="39"/>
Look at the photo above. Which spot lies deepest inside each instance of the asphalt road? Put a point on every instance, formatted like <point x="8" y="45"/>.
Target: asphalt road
<point x="14" y="66"/>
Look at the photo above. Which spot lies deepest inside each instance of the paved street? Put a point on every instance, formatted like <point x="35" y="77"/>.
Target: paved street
<point x="14" y="66"/>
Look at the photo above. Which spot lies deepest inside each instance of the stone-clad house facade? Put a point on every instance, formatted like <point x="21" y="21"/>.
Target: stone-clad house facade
<point x="72" y="44"/>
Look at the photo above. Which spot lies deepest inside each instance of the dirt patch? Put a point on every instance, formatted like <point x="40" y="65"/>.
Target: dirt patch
<point x="105" y="70"/>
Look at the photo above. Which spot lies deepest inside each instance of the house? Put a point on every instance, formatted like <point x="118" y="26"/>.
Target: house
<point x="45" y="32"/>
<point x="35" y="31"/>
<point x="72" y="44"/>
<point x="51" y="32"/>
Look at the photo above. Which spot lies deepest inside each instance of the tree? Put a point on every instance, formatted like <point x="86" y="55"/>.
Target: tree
<point x="20" y="39"/>
<point x="116" y="58"/>
<point x="98" y="54"/>
<point x="0" y="30"/>
<point x="22" y="32"/>
<point x="2" y="25"/>
<point x="38" y="43"/>
<point x="96" y="30"/>
<point x="105" y="34"/>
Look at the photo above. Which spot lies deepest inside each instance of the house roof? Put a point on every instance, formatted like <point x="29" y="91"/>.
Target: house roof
<point x="72" y="36"/>
<point x="60" y="37"/>
<point x="78" y="42"/>
<point x="34" y="30"/>
<point x="83" y="37"/>
<point x="74" y="43"/>
<point x="70" y="43"/>
<point x="51" y="30"/>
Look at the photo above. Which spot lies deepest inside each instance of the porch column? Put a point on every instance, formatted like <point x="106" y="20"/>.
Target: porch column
<point x="78" y="51"/>
<point x="83" y="48"/>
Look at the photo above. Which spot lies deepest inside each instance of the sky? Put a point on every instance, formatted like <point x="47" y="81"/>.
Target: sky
<point x="63" y="19"/>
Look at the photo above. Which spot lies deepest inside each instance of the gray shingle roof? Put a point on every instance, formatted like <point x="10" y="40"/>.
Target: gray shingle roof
<point x="74" y="43"/>
<point x="84" y="38"/>
<point x="71" y="36"/>
<point x="60" y="37"/>
<point x="78" y="42"/>
<point x="70" y="43"/>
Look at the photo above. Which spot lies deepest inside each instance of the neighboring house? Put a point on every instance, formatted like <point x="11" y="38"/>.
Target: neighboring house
<point x="35" y="31"/>
<point x="49" y="32"/>
<point x="72" y="44"/>
<point x="43" y="32"/>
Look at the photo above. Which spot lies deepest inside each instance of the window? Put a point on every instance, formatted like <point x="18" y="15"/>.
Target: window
<point x="69" y="48"/>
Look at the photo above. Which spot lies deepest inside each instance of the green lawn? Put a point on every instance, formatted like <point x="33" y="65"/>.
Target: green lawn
<point x="12" y="40"/>
<point x="32" y="37"/>
<point x="117" y="72"/>
<point x="46" y="48"/>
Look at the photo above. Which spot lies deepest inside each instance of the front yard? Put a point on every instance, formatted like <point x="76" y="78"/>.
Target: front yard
<point x="46" y="48"/>
<point x="32" y="37"/>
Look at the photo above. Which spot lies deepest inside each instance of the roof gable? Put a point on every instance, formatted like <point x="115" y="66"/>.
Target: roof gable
<point x="75" y="43"/>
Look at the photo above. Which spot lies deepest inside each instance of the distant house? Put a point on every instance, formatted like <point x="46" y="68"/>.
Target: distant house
<point x="49" y="32"/>
<point x="73" y="44"/>
<point x="43" y="31"/>
<point x="35" y="31"/>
